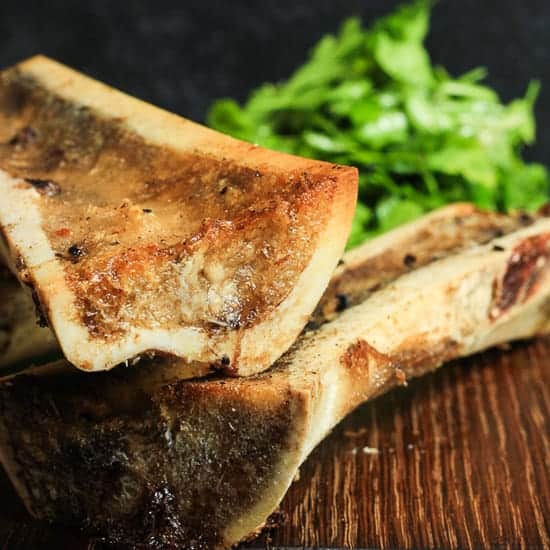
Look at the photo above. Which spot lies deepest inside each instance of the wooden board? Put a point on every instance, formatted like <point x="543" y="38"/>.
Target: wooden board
<point x="463" y="461"/>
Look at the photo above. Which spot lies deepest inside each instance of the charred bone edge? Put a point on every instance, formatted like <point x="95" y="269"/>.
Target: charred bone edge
<point x="238" y="443"/>
<point x="39" y="340"/>
<point x="27" y="239"/>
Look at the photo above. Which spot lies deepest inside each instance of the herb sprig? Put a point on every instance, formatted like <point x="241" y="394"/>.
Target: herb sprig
<point x="420" y="137"/>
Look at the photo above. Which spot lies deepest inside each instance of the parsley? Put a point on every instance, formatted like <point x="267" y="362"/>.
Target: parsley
<point x="420" y="137"/>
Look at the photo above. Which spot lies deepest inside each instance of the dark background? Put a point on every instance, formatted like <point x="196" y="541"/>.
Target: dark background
<point x="183" y="55"/>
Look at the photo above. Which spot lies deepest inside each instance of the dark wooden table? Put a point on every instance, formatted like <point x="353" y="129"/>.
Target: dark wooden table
<point x="458" y="459"/>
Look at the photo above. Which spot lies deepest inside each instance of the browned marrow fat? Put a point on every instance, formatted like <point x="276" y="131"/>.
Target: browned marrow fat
<point x="140" y="231"/>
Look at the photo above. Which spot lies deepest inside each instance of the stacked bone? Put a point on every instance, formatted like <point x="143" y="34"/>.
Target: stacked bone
<point x="185" y="265"/>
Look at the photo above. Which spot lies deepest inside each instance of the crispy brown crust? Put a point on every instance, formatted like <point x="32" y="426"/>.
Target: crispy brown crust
<point x="127" y="451"/>
<point x="197" y="232"/>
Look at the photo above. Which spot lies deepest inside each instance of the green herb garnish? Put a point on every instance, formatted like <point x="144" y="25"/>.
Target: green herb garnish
<point x="421" y="138"/>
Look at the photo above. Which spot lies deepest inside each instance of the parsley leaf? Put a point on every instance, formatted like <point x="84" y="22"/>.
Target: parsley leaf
<point x="421" y="138"/>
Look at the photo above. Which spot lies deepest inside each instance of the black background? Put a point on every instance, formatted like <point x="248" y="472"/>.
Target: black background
<point x="183" y="55"/>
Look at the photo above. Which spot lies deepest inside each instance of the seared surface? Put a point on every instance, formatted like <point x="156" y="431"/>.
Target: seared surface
<point x="158" y="224"/>
<point x="139" y="463"/>
<point x="123" y="215"/>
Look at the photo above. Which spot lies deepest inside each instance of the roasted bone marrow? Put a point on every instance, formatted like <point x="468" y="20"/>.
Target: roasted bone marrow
<point x="139" y="231"/>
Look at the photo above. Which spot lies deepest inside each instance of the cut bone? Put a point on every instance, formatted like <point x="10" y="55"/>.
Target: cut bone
<point x="141" y="231"/>
<point x="141" y="455"/>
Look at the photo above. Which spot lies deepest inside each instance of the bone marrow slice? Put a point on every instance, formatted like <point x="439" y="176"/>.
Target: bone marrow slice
<point x="140" y="230"/>
<point x="202" y="463"/>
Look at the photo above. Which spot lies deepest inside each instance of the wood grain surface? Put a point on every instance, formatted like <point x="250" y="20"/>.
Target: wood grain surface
<point x="458" y="459"/>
